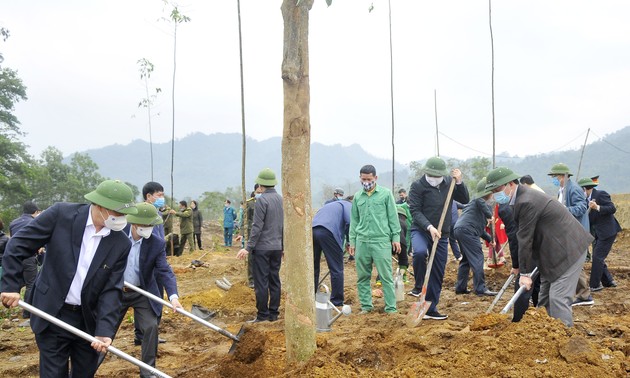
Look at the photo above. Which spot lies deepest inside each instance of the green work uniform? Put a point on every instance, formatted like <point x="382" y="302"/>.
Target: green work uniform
<point x="374" y="226"/>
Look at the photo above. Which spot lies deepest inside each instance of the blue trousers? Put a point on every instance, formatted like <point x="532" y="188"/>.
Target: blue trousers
<point x="472" y="258"/>
<point x="323" y="240"/>
<point x="421" y="243"/>
<point x="228" y="232"/>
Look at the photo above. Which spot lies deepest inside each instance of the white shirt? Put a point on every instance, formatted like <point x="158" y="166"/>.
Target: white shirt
<point x="89" y="244"/>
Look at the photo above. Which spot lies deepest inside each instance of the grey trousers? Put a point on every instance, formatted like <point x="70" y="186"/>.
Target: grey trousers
<point x="557" y="296"/>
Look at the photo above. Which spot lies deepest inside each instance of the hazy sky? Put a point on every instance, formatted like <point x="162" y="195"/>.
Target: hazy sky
<point x="561" y="67"/>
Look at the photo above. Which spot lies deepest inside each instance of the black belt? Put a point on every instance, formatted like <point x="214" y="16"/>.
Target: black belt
<point x="71" y="307"/>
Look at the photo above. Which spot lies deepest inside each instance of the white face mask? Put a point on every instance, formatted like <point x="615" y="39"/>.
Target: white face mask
<point x="145" y="232"/>
<point x="115" y="223"/>
<point x="434" y="181"/>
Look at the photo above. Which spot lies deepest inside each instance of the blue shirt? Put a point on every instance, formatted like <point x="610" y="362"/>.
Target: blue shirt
<point x="335" y="217"/>
<point x="132" y="271"/>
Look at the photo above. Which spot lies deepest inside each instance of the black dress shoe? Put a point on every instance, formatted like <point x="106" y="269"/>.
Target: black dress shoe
<point x="612" y="284"/>
<point x="488" y="293"/>
<point x="137" y="342"/>
<point x="462" y="292"/>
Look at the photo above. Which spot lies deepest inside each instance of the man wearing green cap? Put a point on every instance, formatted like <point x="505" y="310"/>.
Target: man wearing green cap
<point x="81" y="279"/>
<point x="146" y="267"/>
<point x="427" y="200"/>
<point x="605" y="225"/>
<point x="266" y="244"/>
<point x="469" y="228"/>
<point x="547" y="233"/>
<point x="573" y="198"/>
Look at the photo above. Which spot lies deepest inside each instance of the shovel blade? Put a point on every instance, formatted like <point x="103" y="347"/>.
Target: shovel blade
<point x="417" y="311"/>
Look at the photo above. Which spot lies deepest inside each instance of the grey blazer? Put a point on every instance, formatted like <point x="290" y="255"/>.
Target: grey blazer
<point x="548" y="233"/>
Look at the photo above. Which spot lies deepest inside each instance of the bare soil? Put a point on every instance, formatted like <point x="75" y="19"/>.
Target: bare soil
<point x="469" y="343"/>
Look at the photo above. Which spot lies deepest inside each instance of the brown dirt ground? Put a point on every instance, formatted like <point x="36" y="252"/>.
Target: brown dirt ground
<point x="469" y="343"/>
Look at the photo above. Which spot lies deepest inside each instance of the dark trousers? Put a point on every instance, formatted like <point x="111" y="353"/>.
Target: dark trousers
<point x="453" y="243"/>
<point x="522" y="303"/>
<point x="599" y="269"/>
<point x="136" y="325"/>
<point x="57" y="347"/>
<point x="198" y="240"/>
<point x="146" y="320"/>
<point x="421" y="243"/>
<point x="472" y="258"/>
<point x="29" y="269"/>
<point x="267" y="283"/>
<point x="323" y="240"/>
<point x="228" y="233"/>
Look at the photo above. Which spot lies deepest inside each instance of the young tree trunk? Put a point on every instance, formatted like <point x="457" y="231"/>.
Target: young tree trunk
<point x="296" y="184"/>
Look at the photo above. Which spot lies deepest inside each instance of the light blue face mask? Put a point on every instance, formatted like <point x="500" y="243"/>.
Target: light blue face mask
<point x="257" y="195"/>
<point x="159" y="202"/>
<point x="501" y="198"/>
<point x="555" y="181"/>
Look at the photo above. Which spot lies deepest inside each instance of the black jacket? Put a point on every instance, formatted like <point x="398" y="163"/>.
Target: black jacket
<point x="426" y="203"/>
<point x="603" y="221"/>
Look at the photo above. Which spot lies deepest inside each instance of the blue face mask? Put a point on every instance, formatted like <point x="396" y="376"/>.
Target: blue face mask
<point x="159" y="202"/>
<point x="257" y="195"/>
<point x="555" y="181"/>
<point x="501" y="198"/>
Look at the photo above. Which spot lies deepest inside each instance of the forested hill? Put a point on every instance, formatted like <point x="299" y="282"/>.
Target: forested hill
<point x="609" y="158"/>
<point x="213" y="163"/>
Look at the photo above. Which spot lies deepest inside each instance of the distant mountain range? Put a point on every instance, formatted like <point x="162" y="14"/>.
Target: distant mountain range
<point x="206" y="163"/>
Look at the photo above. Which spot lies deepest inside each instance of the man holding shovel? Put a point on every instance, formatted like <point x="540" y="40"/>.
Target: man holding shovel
<point x="427" y="200"/>
<point x="81" y="279"/>
<point x="146" y="266"/>
<point x="547" y="233"/>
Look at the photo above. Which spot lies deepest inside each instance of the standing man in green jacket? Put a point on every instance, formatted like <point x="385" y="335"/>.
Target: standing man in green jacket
<point x="374" y="233"/>
<point x="185" y="226"/>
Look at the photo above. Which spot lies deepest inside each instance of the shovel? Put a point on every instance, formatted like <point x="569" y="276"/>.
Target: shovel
<point x="60" y="323"/>
<point x="419" y="308"/>
<point x="194" y="317"/>
<point x="500" y="294"/>
<point x="495" y="264"/>
<point x="518" y="293"/>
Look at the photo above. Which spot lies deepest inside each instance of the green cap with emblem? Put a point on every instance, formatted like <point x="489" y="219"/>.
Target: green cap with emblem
<point x="147" y="215"/>
<point x="499" y="176"/>
<point x="266" y="177"/>
<point x="560" y="169"/>
<point x="113" y="195"/>
<point x="587" y="182"/>
<point x="481" y="188"/>
<point x="435" y="167"/>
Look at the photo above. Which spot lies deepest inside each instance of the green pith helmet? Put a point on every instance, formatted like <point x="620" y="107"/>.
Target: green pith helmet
<point x="147" y="215"/>
<point x="587" y="182"/>
<point x="560" y="169"/>
<point x="435" y="166"/>
<point x="500" y="176"/>
<point x="113" y="195"/>
<point x="481" y="188"/>
<point x="266" y="177"/>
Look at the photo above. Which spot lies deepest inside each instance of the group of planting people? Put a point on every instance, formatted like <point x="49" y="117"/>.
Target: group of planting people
<point x="550" y="233"/>
<point x="96" y="253"/>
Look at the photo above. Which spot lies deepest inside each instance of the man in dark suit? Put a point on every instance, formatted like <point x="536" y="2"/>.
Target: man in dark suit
<point x="146" y="267"/>
<point x="603" y="222"/>
<point x="29" y="211"/>
<point x="547" y="233"/>
<point x="81" y="280"/>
